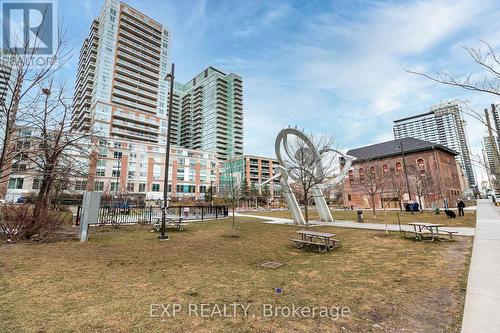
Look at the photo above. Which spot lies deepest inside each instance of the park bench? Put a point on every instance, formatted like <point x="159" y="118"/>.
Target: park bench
<point x="170" y="223"/>
<point x="428" y="232"/>
<point x="322" y="240"/>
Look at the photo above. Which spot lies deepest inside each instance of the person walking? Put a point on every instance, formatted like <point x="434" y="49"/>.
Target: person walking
<point x="460" y="206"/>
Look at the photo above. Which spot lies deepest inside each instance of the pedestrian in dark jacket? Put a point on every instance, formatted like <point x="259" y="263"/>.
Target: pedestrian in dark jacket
<point x="460" y="206"/>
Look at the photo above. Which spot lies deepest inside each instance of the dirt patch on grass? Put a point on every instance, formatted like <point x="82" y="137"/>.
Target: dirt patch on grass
<point x="108" y="284"/>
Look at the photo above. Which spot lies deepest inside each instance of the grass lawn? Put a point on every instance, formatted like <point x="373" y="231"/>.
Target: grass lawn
<point x="388" y="216"/>
<point x="108" y="284"/>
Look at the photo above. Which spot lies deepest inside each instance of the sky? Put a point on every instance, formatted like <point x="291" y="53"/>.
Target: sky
<point x="332" y="67"/>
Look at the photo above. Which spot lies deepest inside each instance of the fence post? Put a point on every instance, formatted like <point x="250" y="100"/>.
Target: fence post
<point x="216" y="211"/>
<point x="150" y="214"/>
<point x="78" y="211"/>
<point x="202" y="212"/>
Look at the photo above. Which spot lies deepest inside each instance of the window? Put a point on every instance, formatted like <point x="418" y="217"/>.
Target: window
<point x="103" y="153"/>
<point x="36" y="183"/>
<point x="155" y="187"/>
<point x="203" y="188"/>
<point x="80" y="185"/>
<point x="372" y="170"/>
<point x="101" y="163"/>
<point x="115" y="173"/>
<point x="398" y="167"/>
<point x="16" y="183"/>
<point x="130" y="187"/>
<point x="142" y="187"/>
<point x="351" y="177"/>
<point x="361" y="174"/>
<point x="421" y="165"/>
<point x="385" y="169"/>
<point x="349" y="197"/>
<point x="99" y="186"/>
<point x="114" y="186"/>
<point x="117" y="154"/>
<point x="100" y="172"/>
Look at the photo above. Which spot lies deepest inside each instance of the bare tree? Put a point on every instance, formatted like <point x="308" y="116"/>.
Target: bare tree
<point x="396" y="183"/>
<point x="422" y="183"/>
<point x="231" y="189"/>
<point x="486" y="59"/>
<point x="22" y="72"/>
<point x="313" y="163"/>
<point x="371" y="181"/>
<point x="58" y="150"/>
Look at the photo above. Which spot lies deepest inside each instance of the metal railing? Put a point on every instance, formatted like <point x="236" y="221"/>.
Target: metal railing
<point x="123" y="214"/>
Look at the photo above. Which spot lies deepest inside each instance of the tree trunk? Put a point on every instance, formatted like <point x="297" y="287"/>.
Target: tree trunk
<point x="373" y="206"/>
<point x="234" y="231"/>
<point x="306" y="211"/>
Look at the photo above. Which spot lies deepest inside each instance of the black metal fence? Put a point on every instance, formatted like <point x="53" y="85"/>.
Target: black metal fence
<point x="144" y="214"/>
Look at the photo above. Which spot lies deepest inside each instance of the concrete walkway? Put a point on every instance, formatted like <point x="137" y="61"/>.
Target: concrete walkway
<point x="462" y="231"/>
<point x="482" y="302"/>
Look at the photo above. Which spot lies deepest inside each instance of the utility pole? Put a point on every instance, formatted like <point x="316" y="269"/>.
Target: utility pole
<point x="404" y="169"/>
<point x="170" y="77"/>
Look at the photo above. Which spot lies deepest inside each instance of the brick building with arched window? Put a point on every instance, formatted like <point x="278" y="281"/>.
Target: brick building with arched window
<point x="391" y="173"/>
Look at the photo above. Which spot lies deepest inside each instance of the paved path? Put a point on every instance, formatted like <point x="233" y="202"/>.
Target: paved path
<point x="462" y="231"/>
<point x="482" y="302"/>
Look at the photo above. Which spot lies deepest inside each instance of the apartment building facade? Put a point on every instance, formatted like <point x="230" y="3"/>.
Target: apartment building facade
<point x="255" y="170"/>
<point x="443" y="125"/>
<point x="127" y="169"/>
<point x="208" y="113"/>
<point x="120" y="90"/>
<point x="8" y="76"/>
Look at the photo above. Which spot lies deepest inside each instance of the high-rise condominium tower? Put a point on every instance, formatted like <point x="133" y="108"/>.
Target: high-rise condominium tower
<point x="121" y="90"/>
<point x="8" y="76"/>
<point x="444" y="125"/>
<point x="210" y="108"/>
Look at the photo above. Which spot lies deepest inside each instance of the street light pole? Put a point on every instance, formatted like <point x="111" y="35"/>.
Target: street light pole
<point x="170" y="77"/>
<point x="404" y="169"/>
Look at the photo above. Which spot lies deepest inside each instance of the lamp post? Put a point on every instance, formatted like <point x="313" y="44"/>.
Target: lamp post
<point x="404" y="169"/>
<point x="169" y="77"/>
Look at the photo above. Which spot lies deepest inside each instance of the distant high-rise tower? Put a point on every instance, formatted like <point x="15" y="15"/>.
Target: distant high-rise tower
<point x="443" y="125"/>
<point x="121" y="90"/>
<point x="488" y="152"/>
<point x="210" y="107"/>
<point x="8" y="76"/>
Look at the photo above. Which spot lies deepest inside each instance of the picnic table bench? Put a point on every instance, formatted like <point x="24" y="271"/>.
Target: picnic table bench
<point x="428" y="232"/>
<point x="170" y="222"/>
<point x="322" y="240"/>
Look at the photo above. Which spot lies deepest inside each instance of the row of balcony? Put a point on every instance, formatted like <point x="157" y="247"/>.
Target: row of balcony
<point x="131" y="19"/>
<point x="126" y="86"/>
<point x="144" y="71"/>
<point x="135" y="126"/>
<point x="147" y="101"/>
<point x="130" y="104"/>
<point x="152" y="38"/>
<point x="136" y="53"/>
<point x="134" y="134"/>
<point x="137" y="40"/>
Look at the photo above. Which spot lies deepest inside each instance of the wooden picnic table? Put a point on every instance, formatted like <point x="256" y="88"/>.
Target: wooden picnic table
<point x="429" y="231"/>
<point x="323" y="240"/>
<point x="175" y="222"/>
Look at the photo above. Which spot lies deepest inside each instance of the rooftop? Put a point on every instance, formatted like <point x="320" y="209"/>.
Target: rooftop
<point x="396" y="148"/>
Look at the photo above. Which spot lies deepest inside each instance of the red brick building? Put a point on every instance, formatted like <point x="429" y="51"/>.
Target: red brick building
<point x="392" y="173"/>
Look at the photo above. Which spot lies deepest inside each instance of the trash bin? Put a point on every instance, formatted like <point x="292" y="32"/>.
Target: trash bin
<point x="437" y="210"/>
<point x="360" y="216"/>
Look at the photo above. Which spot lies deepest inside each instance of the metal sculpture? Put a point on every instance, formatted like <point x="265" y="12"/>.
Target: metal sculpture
<point x="311" y="159"/>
